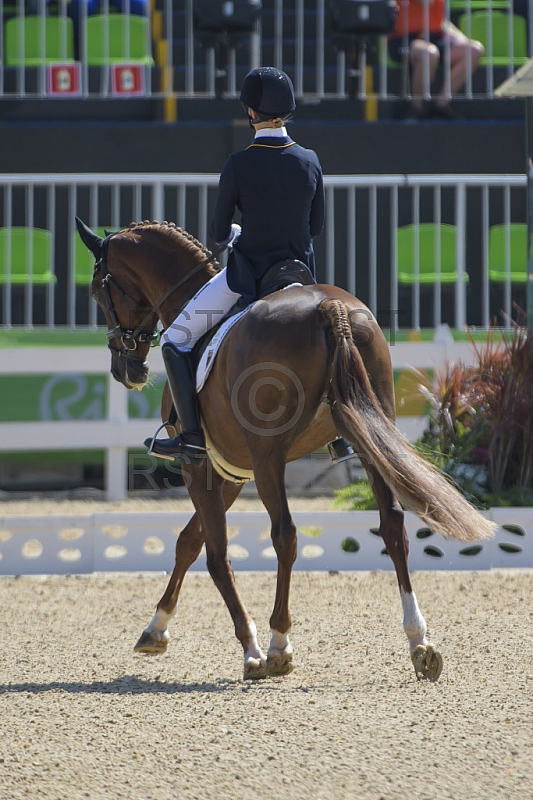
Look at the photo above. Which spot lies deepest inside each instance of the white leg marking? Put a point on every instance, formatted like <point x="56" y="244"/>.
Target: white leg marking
<point x="253" y="654"/>
<point x="414" y="623"/>
<point x="159" y="625"/>
<point x="279" y="643"/>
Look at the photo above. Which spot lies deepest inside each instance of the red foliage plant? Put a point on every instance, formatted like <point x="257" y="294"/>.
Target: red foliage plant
<point x="484" y="412"/>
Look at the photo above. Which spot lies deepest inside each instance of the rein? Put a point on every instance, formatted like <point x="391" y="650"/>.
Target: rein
<point x="131" y="338"/>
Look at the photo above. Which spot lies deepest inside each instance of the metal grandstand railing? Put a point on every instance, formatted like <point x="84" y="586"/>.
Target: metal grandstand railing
<point x="176" y="62"/>
<point x="418" y="250"/>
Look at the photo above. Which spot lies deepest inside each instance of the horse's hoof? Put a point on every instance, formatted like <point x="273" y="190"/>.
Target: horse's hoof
<point x="254" y="670"/>
<point x="150" y="644"/>
<point x="279" y="664"/>
<point x="427" y="662"/>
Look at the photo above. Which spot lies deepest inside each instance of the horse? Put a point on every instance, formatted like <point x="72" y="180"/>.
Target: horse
<point x="299" y="368"/>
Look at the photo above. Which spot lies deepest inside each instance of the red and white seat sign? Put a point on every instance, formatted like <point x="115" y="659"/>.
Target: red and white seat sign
<point x="127" y="79"/>
<point x="64" y="80"/>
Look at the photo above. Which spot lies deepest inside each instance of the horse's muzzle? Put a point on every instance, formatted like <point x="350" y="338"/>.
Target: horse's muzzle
<point x="130" y="371"/>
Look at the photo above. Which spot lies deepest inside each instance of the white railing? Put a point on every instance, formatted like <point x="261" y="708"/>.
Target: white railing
<point x="357" y="251"/>
<point x="293" y="36"/>
<point x="115" y="432"/>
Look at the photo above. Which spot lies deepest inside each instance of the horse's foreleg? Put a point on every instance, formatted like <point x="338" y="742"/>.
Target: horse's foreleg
<point x="155" y="637"/>
<point x="271" y="488"/>
<point x="212" y="512"/>
<point x="426" y="660"/>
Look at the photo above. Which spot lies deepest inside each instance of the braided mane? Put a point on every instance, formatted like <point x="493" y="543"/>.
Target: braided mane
<point x="179" y="236"/>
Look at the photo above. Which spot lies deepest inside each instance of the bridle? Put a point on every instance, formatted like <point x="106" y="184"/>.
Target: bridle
<point x="130" y="338"/>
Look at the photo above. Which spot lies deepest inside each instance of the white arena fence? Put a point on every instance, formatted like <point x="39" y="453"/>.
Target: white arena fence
<point x="358" y="250"/>
<point x="116" y="432"/>
<point x="115" y="542"/>
<point x="178" y="60"/>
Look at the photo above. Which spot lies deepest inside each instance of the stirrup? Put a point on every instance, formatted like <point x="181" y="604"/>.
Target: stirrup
<point x="194" y="452"/>
<point x="149" y="443"/>
<point x="340" y="450"/>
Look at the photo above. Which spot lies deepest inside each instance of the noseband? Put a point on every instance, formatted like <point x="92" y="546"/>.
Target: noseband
<point x="130" y="338"/>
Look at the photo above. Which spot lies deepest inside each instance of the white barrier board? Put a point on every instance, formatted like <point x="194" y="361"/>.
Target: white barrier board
<point x="119" y="542"/>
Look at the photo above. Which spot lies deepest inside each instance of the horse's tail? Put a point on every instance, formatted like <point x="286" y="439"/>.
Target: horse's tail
<point x="360" y="418"/>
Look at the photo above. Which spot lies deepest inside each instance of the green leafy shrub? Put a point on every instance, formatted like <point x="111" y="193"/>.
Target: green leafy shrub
<point x="356" y="496"/>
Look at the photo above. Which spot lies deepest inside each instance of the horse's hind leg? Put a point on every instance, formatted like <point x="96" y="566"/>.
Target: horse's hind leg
<point x="426" y="660"/>
<point x="269" y="478"/>
<point x="155" y="637"/>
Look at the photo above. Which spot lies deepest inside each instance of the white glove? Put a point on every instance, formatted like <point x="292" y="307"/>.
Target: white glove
<point x="234" y="235"/>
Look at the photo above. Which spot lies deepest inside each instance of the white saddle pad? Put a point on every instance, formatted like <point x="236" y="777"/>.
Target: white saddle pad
<point x="208" y="357"/>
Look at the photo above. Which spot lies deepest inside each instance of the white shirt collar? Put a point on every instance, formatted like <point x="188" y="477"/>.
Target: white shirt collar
<point x="271" y="132"/>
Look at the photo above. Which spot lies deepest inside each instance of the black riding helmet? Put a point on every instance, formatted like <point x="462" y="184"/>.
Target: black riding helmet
<point x="269" y="92"/>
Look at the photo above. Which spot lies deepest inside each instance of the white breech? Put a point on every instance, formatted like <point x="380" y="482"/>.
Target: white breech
<point x="202" y="312"/>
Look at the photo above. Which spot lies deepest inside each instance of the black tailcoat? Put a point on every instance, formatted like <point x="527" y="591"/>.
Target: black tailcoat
<point x="278" y="188"/>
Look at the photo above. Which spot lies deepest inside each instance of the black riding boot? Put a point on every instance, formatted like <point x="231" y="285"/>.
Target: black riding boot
<point x="340" y="450"/>
<point x="182" y="381"/>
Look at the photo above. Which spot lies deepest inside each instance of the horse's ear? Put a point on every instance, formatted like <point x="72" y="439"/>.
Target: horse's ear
<point x="90" y="239"/>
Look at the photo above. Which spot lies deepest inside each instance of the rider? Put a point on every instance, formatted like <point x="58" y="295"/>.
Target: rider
<point x="277" y="186"/>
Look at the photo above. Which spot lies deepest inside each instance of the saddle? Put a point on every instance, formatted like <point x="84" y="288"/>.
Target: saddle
<point x="282" y="274"/>
<point x="277" y="277"/>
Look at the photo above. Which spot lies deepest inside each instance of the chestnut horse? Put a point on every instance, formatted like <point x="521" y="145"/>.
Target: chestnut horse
<point x="299" y="368"/>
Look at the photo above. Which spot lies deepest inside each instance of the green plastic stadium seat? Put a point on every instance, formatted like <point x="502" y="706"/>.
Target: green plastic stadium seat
<point x="482" y="5"/>
<point x="113" y="29"/>
<point x="84" y="260"/>
<point x="517" y="256"/>
<point x="427" y="238"/>
<point x="23" y="244"/>
<point x="56" y="45"/>
<point x="476" y="27"/>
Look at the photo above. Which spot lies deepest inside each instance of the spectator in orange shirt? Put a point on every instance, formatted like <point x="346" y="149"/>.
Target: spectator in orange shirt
<point x="424" y="35"/>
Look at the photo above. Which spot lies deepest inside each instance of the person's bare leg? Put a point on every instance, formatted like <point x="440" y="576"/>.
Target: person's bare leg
<point x="424" y="57"/>
<point x="464" y="54"/>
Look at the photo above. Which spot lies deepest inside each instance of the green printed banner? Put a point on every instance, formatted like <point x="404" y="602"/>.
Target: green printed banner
<point x="76" y="396"/>
<point x="73" y="396"/>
